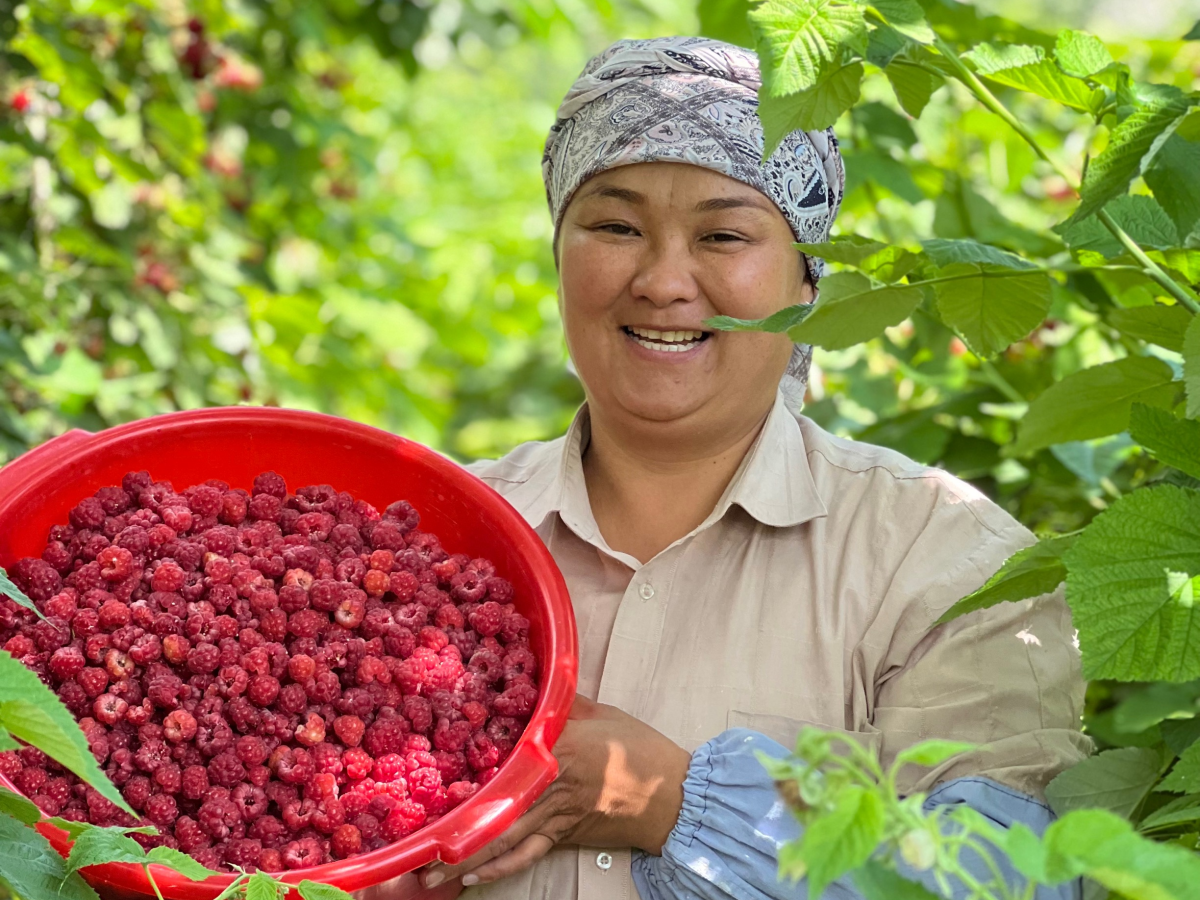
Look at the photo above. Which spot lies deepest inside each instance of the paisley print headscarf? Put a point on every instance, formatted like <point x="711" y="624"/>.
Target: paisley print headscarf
<point x="693" y="100"/>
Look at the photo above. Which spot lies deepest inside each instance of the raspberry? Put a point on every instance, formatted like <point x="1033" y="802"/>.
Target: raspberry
<point x="517" y="701"/>
<point x="161" y="810"/>
<point x="216" y="816"/>
<point x="190" y="836"/>
<point x="307" y="623"/>
<point x="250" y="800"/>
<point x="169" y="778"/>
<point x="270" y="860"/>
<point x="481" y="752"/>
<point x="451" y="736"/>
<point x="405" y="818"/>
<point x="487" y="618"/>
<point x="295" y="766"/>
<point x="346" y="841"/>
<point x="251" y="749"/>
<point x="263" y="690"/>
<point x="303" y="853"/>
<point x="351" y="610"/>
<point x="384" y="736"/>
<point x="109" y="708"/>
<point x="312" y="732"/>
<point x="116" y="563"/>
<point x="403" y="585"/>
<point x="66" y="662"/>
<point x="203" y="659"/>
<point x="451" y="765"/>
<point x="358" y="763"/>
<point x="459" y="792"/>
<point x="31" y="780"/>
<point x="292" y="699"/>
<point x="167" y="577"/>
<point x="349" y="730"/>
<point x="270" y="483"/>
<point x="242" y="852"/>
<point x="376" y="582"/>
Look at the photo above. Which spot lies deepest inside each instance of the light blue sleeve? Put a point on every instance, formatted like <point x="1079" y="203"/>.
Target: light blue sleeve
<point x="733" y="823"/>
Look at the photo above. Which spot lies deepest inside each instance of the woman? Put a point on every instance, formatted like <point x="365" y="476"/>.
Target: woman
<point x="736" y="571"/>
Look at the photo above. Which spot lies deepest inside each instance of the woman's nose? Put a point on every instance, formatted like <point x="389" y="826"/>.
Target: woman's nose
<point x="666" y="275"/>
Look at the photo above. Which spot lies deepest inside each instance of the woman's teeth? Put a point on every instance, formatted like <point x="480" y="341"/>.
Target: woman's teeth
<point x="666" y="341"/>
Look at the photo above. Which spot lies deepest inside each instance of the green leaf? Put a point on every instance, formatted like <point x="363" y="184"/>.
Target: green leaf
<point x="843" y="838"/>
<point x="1129" y="148"/>
<point x="21" y="809"/>
<point x="1081" y="54"/>
<point x="6" y="740"/>
<point x="1179" y="734"/>
<point x="1093" y="461"/>
<point x="1047" y="80"/>
<point x="946" y="251"/>
<point x="1171" y="177"/>
<point x="33" y="713"/>
<point x="1177" y="812"/>
<point x="1101" y="846"/>
<point x="261" y="887"/>
<point x="1149" y="706"/>
<point x="884" y="44"/>
<point x="1157" y="324"/>
<point x="773" y="324"/>
<point x="877" y="882"/>
<point x="1116" y="780"/>
<point x="912" y="85"/>
<point x="907" y="17"/>
<point x="851" y="310"/>
<point x="180" y="862"/>
<point x="847" y="249"/>
<point x="1194" y="33"/>
<point x="16" y="595"/>
<point x="1094" y="402"/>
<point x="1139" y="215"/>
<point x="726" y="20"/>
<point x="812" y="109"/>
<point x="932" y="753"/>
<point x="1191" y="367"/>
<point x="103" y="845"/>
<point x="796" y="39"/>
<point x="992" y="307"/>
<point x="1175" y="442"/>
<point x="1031" y="572"/>
<point x="1130" y="628"/>
<point x="988" y="58"/>
<point x="314" y="890"/>
<point x="33" y="869"/>
<point x="1184" y="777"/>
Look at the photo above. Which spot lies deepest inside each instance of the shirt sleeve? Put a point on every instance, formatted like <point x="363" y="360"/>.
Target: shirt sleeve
<point x="726" y="842"/>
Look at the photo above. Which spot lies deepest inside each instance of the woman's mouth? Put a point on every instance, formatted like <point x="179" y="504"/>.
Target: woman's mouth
<point x="666" y="341"/>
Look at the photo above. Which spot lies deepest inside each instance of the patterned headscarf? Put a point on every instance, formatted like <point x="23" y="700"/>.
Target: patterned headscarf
<point x="693" y="100"/>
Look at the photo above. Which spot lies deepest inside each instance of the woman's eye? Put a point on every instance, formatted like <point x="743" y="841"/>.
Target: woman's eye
<point x="616" y="228"/>
<point x="725" y="237"/>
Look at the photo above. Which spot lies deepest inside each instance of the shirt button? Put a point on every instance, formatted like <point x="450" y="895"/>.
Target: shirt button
<point x="646" y="591"/>
<point x="604" y="861"/>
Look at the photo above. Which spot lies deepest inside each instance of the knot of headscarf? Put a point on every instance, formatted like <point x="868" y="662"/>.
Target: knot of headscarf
<point x="693" y="100"/>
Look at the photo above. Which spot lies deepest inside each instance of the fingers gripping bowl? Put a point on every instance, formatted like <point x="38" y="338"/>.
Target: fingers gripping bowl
<point x="235" y="444"/>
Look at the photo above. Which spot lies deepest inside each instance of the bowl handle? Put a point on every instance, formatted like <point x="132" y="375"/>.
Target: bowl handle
<point x="532" y="767"/>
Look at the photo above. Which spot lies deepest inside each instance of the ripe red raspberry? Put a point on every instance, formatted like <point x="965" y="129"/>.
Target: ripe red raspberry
<point x="251" y="749"/>
<point x="312" y="731"/>
<point x="481" y="752"/>
<point x="190" y="836"/>
<point x="346" y="841"/>
<point x="487" y="618"/>
<point x="263" y="690"/>
<point x="459" y="792"/>
<point x="517" y="701"/>
<point x="169" y="778"/>
<point x="475" y="713"/>
<point x="109" y="708"/>
<point x="376" y="582"/>
<point x="295" y="766"/>
<point x="307" y="623"/>
<point x="451" y="765"/>
<point x="301" y="667"/>
<point x="167" y="577"/>
<point x="292" y="699"/>
<point x="150" y="755"/>
<point x="137" y="791"/>
<point x="161" y="810"/>
<point x="93" y="681"/>
<point x="65" y="663"/>
<point x="451" y="736"/>
<point x="405" y="818"/>
<point x="389" y="767"/>
<point x="349" y="730"/>
<point x="303" y="854"/>
<point x="116" y="563"/>
<point x="358" y="763"/>
<point x="270" y="483"/>
<point x="203" y="659"/>
<point x="325" y="688"/>
<point x="31" y="780"/>
<point x="216" y="816"/>
<point x="250" y="800"/>
<point x="403" y="585"/>
<point x="351" y="610"/>
<point x="385" y="736"/>
<point x="242" y="852"/>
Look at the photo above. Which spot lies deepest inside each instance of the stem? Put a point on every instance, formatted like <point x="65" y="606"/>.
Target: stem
<point x="999" y="382"/>
<point x="233" y="886"/>
<point x="153" y="883"/>
<point x="1184" y="295"/>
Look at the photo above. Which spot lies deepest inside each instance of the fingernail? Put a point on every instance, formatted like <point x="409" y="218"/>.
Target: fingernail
<point x="433" y="879"/>
<point x="469" y="880"/>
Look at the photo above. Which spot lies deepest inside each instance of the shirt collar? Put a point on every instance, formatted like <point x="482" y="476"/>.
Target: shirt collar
<point x="773" y="484"/>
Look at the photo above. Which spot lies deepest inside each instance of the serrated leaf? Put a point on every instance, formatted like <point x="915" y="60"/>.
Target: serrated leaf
<point x="1179" y="734"/>
<point x="912" y="85"/>
<point x="907" y="17"/>
<point x="726" y="20"/>
<point x="1116" y="780"/>
<point x="1151" y="705"/>
<point x="33" y="869"/>
<point x="96" y="846"/>
<point x="21" y="809"/>
<point x="945" y="252"/>
<point x="1157" y="324"/>
<point x="1171" y="177"/>
<point x="884" y="44"/>
<point x="1177" y="812"/>
<point x="1173" y="441"/>
<point x="314" y="890"/>
<point x="6" y="741"/>
<point x="1093" y="461"/>
<point x="932" y="753"/>
<point x="1142" y="217"/>
<point x="1128" y="151"/>
<point x="17" y="595"/>
<point x="1081" y="54"/>
<point x="33" y="713"/>
<point x="1191" y="367"/>
<point x="797" y="39"/>
<point x="851" y="310"/>
<point x="1031" y="572"/>
<point x="1094" y="402"/>
<point x="842" y="839"/>
<point x="1184" y="777"/>
<point x="1130" y="628"/>
<point x="261" y="887"/>
<point x="775" y="323"/>
<point x="992" y="307"/>
<point x="179" y="862"/>
<point x="812" y="109"/>
<point x="989" y="58"/>
<point x="846" y="249"/>
<point x="877" y="882"/>
<point x="1045" y="79"/>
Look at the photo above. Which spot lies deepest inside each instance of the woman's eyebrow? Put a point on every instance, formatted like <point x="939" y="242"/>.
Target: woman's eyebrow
<point x="715" y="203"/>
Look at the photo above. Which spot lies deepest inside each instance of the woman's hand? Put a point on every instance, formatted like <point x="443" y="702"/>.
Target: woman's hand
<point x="619" y="784"/>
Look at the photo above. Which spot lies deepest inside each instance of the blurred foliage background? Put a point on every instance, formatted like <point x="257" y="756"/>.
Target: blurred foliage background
<point x="338" y="206"/>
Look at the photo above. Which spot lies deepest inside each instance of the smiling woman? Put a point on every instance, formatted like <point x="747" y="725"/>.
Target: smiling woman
<point x="736" y="571"/>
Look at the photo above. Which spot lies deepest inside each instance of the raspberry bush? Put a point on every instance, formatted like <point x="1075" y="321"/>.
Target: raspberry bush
<point x="244" y="686"/>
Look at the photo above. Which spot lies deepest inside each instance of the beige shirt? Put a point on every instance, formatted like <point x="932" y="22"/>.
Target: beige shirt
<point x="806" y="596"/>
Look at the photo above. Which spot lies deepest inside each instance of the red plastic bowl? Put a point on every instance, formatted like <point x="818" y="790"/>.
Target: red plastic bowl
<point x="235" y="444"/>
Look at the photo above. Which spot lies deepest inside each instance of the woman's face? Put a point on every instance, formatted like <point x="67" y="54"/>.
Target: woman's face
<point x="648" y="252"/>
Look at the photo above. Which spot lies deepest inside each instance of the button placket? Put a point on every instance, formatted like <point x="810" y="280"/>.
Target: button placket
<point x="604" y="861"/>
<point x="646" y="591"/>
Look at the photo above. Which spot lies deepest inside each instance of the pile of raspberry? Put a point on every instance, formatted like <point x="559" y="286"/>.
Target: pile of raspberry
<point x="273" y="680"/>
